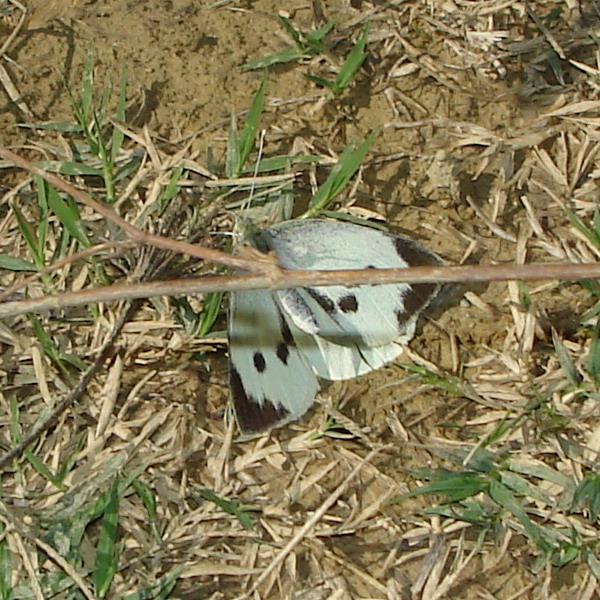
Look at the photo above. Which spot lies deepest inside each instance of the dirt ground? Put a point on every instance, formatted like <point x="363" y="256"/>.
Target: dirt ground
<point x="472" y="155"/>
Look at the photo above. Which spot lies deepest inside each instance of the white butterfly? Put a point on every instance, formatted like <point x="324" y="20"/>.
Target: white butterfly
<point x="280" y="341"/>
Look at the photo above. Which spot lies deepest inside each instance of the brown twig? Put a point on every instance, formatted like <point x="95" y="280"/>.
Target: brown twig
<point x="290" y="279"/>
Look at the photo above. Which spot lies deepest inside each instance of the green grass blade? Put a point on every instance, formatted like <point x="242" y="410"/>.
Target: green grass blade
<point x="541" y="471"/>
<point x="448" y="383"/>
<point x="68" y="215"/>
<point x="147" y="497"/>
<point x="14" y="263"/>
<point x="48" y="346"/>
<point x="43" y="221"/>
<point x="340" y="175"/>
<point x="481" y="460"/>
<point x="587" y="494"/>
<point x="352" y="64"/>
<point x="106" y="562"/>
<point x="231" y="507"/>
<point x="593" y="235"/>
<point x="30" y="237"/>
<point x="454" y="486"/>
<point x="506" y="499"/>
<point x="314" y="39"/>
<point x="210" y="312"/>
<point x="566" y="363"/>
<point x="291" y="30"/>
<point x="172" y="188"/>
<point x="250" y="130"/>
<point x="32" y="458"/>
<point x="281" y="163"/>
<point x="321" y="81"/>
<point x="53" y="126"/>
<point x="521" y="486"/>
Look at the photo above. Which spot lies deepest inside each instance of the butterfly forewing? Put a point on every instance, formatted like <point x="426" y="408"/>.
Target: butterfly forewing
<point x="369" y="316"/>
<point x="271" y="381"/>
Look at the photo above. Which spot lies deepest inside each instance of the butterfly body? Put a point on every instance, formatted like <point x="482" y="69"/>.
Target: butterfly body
<point x="280" y="341"/>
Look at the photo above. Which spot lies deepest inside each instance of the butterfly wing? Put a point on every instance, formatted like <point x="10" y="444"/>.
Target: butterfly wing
<point x="356" y="329"/>
<point x="336" y="362"/>
<point x="271" y="381"/>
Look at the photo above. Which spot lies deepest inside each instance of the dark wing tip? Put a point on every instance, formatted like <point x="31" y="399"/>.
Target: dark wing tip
<point x="253" y="416"/>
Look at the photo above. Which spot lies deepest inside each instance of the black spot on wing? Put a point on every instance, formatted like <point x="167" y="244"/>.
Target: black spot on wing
<point x="415" y="300"/>
<point x="283" y="352"/>
<point x="260" y="364"/>
<point x="252" y="415"/>
<point x="325" y="302"/>
<point x="348" y="303"/>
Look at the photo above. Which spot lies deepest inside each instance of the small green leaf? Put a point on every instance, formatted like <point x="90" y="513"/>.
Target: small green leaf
<point x="506" y="499"/>
<point x="523" y="487"/>
<point x="53" y="126"/>
<point x="593" y="235"/>
<point x="250" y="130"/>
<point x="447" y="383"/>
<point x="321" y="81"/>
<point x="13" y="263"/>
<point x="210" y="312"/>
<point x="172" y="188"/>
<point x="232" y="507"/>
<point x="295" y="35"/>
<point x="147" y="496"/>
<point x="280" y="163"/>
<point x="68" y="215"/>
<point x="314" y="39"/>
<point x="43" y="470"/>
<point x="352" y="64"/>
<point x="29" y="236"/>
<point x="454" y="486"/>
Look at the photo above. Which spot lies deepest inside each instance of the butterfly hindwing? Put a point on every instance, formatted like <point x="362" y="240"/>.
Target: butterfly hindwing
<point x="356" y="329"/>
<point x="271" y="380"/>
